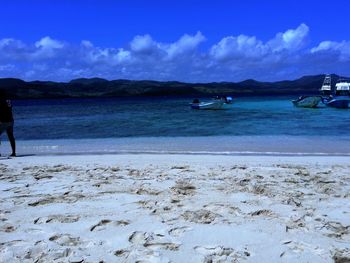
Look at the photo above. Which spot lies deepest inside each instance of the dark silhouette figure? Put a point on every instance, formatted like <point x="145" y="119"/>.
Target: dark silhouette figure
<point x="6" y="120"/>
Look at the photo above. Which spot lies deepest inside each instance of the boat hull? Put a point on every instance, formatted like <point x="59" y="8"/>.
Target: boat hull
<point x="216" y="105"/>
<point x="338" y="102"/>
<point x="307" y="101"/>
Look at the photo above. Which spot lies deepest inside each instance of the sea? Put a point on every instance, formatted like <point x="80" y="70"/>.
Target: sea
<point x="254" y="125"/>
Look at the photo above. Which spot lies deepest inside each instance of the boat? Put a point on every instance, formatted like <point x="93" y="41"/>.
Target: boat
<point x="340" y="102"/>
<point x="217" y="103"/>
<point x="341" y="99"/>
<point x="326" y="88"/>
<point x="307" y="101"/>
<point x="313" y="101"/>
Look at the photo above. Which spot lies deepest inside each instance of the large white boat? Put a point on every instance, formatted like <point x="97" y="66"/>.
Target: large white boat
<point x="341" y="98"/>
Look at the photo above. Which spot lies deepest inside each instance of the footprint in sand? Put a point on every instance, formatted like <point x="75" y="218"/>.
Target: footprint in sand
<point x="183" y="188"/>
<point x="300" y="247"/>
<point x="122" y="253"/>
<point x="138" y="237"/>
<point x="57" y="219"/>
<point x="178" y="231"/>
<point x="65" y="240"/>
<point x="36" y="253"/>
<point x="336" y="229"/>
<point x="145" y="191"/>
<point x="146" y="248"/>
<point x="40" y="176"/>
<point x="101" y="225"/>
<point x="201" y="216"/>
<point x="180" y="167"/>
<point x="262" y="212"/>
<point x="223" y="208"/>
<point x="221" y="254"/>
<point x="67" y="197"/>
<point x="7" y="228"/>
<point x="341" y="256"/>
<point x="152" y="241"/>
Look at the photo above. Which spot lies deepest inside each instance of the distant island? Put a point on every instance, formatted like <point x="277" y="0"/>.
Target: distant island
<point x="97" y="87"/>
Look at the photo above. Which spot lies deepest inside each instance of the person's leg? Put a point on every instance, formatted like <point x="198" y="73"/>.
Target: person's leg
<point x="2" y="129"/>
<point x="11" y="137"/>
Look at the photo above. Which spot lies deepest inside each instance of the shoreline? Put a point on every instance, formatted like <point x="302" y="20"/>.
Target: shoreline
<point x="204" y="145"/>
<point x="130" y="153"/>
<point x="207" y="160"/>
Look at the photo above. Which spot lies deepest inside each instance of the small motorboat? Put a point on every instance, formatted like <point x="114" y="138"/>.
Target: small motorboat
<point x="217" y="103"/>
<point x="307" y="101"/>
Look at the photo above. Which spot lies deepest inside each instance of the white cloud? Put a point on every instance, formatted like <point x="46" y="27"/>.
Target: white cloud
<point x="285" y="55"/>
<point x="49" y="43"/>
<point x="342" y="49"/>
<point x="11" y="43"/>
<point x="47" y="48"/>
<point x="143" y="44"/>
<point x="238" y="47"/>
<point x="185" y="45"/>
<point x="250" y="48"/>
<point x="122" y="56"/>
<point x="12" y="49"/>
<point x="292" y="39"/>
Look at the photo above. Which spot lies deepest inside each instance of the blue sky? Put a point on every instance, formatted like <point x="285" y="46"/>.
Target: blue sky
<point x="195" y="41"/>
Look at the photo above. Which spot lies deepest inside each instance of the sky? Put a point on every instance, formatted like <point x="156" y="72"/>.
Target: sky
<point x="192" y="41"/>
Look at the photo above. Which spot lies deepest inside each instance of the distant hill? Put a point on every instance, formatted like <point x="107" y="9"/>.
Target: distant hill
<point x="98" y="87"/>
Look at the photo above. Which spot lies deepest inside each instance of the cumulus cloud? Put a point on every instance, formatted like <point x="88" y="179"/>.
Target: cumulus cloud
<point x="47" y="48"/>
<point x="91" y="55"/>
<point x="185" y="45"/>
<point x="338" y="49"/>
<point x="286" y="55"/>
<point x="143" y="44"/>
<point x="240" y="47"/>
<point x="12" y="49"/>
<point x="49" y="43"/>
<point x="11" y="43"/>
<point x="249" y="47"/>
<point x="292" y="39"/>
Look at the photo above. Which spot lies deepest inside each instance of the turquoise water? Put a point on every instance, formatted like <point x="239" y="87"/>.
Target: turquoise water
<point x="169" y="117"/>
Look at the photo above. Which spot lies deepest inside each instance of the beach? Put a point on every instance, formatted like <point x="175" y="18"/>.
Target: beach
<point x="174" y="132"/>
<point x="174" y="208"/>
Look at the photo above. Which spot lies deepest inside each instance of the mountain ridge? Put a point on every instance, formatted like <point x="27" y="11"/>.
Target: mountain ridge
<point x="99" y="87"/>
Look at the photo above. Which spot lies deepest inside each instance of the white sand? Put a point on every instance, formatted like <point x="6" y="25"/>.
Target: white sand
<point x="174" y="208"/>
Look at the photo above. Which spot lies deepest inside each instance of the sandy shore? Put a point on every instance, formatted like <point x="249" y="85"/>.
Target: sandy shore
<point x="174" y="208"/>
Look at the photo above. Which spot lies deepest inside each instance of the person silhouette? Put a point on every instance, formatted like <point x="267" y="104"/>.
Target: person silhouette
<point x="6" y="120"/>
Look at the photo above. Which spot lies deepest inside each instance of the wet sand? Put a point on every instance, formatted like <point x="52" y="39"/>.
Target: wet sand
<point x="219" y="145"/>
<point x="174" y="208"/>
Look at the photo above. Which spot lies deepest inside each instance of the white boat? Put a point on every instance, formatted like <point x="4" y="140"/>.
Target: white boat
<point x="307" y="101"/>
<point x="341" y="99"/>
<point x="218" y="103"/>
